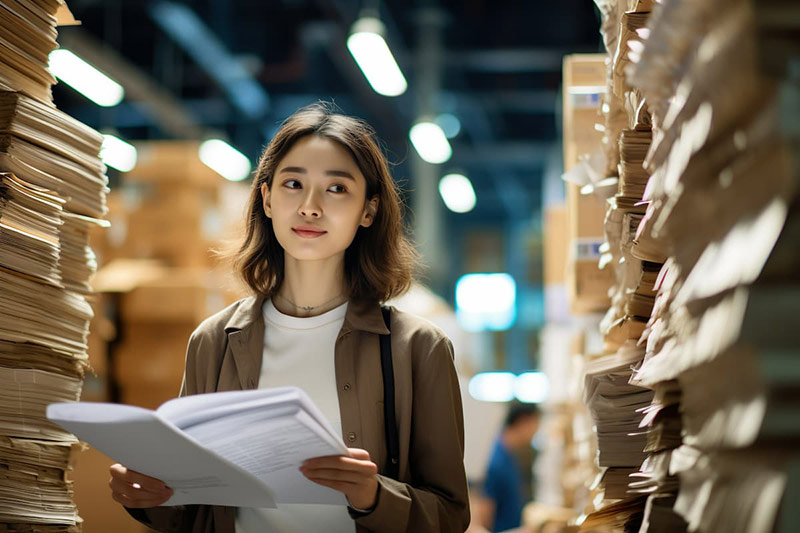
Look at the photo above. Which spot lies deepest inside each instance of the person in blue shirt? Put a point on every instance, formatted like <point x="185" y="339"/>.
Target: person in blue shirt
<point x="503" y="488"/>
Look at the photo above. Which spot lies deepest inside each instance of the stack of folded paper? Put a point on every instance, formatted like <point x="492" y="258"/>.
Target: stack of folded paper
<point x="27" y="36"/>
<point x="52" y="190"/>
<point x="616" y="407"/>
<point x="718" y="261"/>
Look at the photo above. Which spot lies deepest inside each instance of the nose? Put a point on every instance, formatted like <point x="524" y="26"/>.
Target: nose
<point x="310" y="206"/>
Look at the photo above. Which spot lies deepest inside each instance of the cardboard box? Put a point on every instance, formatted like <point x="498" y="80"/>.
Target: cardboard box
<point x="172" y="161"/>
<point x="556" y="246"/>
<point x="147" y="395"/>
<point x="179" y="297"/>
<point x="588" y="286"/>
<point x="584" y="85"/>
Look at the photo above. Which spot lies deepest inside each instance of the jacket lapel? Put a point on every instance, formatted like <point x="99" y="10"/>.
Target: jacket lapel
<point x="245" y="332"/>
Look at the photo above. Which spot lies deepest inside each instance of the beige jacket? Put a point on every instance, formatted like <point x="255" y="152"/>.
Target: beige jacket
<point x="225" y="352"/>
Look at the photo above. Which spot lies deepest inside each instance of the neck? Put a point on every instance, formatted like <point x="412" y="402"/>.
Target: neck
<point x="311" y="288"/>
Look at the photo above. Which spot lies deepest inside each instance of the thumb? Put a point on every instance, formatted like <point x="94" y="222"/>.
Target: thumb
<point x="358" y="453"/>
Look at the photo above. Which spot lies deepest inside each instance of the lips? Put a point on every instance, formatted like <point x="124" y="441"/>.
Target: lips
<point x="308" y="232"/>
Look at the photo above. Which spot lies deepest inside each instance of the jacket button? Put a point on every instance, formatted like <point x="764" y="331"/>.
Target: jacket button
<point x="346" y="386"/>
<point x="351" y="436"/>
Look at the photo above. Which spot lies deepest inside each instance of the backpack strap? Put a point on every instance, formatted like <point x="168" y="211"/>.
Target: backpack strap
<point x="389" y="420"/>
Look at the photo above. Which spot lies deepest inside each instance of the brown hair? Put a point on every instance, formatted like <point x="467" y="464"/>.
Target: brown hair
<point x="379" y="262"/>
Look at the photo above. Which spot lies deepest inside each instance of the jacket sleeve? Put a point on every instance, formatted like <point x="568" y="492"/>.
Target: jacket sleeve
<point x="436" y="499"/>
<point x="178" y="519"/>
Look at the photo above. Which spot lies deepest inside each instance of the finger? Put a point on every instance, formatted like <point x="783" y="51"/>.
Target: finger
<point x="346" y="476"/>
<point x="342" y="462"/>
<point x="336" y="485"/>
<point x="358" y="453"/>
<point x="131" y="476"/>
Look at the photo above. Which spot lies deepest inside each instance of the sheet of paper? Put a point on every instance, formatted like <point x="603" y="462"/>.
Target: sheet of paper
<point x="272" y="449"/>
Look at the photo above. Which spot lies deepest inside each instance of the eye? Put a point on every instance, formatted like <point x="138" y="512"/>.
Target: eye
<point x="337" y="188"/>
<point x="292" y="184"/>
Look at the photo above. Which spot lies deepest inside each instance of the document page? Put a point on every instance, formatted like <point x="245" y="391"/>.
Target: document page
<point x="272" y="449"/>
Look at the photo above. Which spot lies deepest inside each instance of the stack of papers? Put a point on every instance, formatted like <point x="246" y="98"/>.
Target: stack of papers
<point x="27" y="36"/>
<point x="250" y="443"/>
<point x="616" y="408"/>
<point x="633" y="146"/>
<point x="622" y="515"/>
<point x="31" y="311"/>
<point x="34" y="452"/>
<point x="52" y="190"/>
<point x="78" y="262"/>
<point x="40" y="357"/>
<point x="30" y="220"/>
<point x="50" y="149"/>
<point x="24" y="397"/>
<point x="723" y="216"/>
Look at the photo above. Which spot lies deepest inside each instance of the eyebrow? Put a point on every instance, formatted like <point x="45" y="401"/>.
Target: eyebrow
<point x="301" y="170"/>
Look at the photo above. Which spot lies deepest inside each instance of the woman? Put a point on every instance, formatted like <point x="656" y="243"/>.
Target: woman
<point x="324" y="246"/>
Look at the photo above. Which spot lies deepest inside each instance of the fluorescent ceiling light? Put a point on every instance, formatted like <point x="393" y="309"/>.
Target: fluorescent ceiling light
<point x="224" y="159"/>
<point x="430" y="142"/>
<point x="374" y="58"/>
<point x="492" y="386"/>
<point x="532" y="387"/>
<point x="586" y="89"/>
<point x="457" y="192"/>
<point x="117" y="153"/>
<point x="486" y="301"/>
<point x="85" y="79"/>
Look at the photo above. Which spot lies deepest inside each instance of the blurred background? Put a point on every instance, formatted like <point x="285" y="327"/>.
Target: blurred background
<point x="466" y="96"/>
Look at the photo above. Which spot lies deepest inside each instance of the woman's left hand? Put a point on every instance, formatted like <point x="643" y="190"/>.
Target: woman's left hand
<point x="356" y="476"/>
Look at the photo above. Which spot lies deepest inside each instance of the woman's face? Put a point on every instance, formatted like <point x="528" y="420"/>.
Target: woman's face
<point x="317" y="200"/>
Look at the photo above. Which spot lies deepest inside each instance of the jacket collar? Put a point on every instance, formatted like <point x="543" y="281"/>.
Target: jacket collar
<point x="361" y="315"/>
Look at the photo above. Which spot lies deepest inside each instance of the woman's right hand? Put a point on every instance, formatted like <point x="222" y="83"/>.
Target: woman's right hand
<point x="133" y="489"/>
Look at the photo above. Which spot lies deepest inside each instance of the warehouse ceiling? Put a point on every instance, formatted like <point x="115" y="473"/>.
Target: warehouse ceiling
<point x="250" y="63"/>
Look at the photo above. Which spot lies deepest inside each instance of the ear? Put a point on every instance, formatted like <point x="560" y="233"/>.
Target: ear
<point x="266" y="197"/>
<point x="370" y="211"/>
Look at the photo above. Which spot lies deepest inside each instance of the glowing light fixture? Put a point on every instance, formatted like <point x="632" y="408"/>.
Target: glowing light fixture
<point x="85" y="79"/>
<point x="492" y="386"/>
<point x="373" y="56"/>
<point x="486" y="301"/>
<point x="457" y="192"/>
<point x="117" y="153"/>
<point x="528" y="387"/>
<point x="532" y="387"/>
<point x="224" y="159"/>
<point x="430" y="142"/>
<point x="450" y="124"/>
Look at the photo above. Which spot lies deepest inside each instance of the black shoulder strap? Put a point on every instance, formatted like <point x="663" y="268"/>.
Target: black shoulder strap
<point x="389" y="421"/>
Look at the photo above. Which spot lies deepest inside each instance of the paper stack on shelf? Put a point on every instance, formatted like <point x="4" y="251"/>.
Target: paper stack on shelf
<point x="722" y="216"/>
<point x="52" y="190"/>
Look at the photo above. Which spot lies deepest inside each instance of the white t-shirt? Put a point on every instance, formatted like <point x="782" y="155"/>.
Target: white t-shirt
<point x="300" y="352"/>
